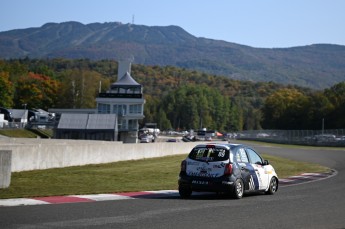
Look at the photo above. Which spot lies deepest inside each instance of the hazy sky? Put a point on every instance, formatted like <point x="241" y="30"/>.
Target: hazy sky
<point x="257" y="23"/>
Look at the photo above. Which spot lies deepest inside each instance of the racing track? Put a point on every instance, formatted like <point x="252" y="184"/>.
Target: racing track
<point x="319" y="204"/>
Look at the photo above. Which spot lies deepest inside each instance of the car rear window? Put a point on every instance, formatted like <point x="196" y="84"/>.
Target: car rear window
<point x="209" y="154"/>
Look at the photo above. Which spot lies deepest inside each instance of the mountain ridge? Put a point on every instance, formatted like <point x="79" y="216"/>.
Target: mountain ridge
<point x="316" y="66"/>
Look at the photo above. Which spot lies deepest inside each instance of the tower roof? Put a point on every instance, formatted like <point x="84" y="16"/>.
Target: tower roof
<point x="126" y="80"/>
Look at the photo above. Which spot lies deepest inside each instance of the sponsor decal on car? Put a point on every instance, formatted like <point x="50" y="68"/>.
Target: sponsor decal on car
<point x="203" y="169"/>
<point x="202" y="174"/>
<point x="200" y="182"/>
<point x="253" y="177"/>
<point x="193" y="163"/>
<point x="219" y="166"/>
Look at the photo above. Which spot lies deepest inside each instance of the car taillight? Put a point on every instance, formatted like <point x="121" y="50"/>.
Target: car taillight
<point x="228" y="169"/>
<point x="183" y="166"/>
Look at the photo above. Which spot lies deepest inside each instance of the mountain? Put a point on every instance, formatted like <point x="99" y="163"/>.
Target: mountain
<point x="316" y="66"/>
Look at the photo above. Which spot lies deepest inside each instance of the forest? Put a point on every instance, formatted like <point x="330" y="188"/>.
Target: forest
<point x="176" y="98"/>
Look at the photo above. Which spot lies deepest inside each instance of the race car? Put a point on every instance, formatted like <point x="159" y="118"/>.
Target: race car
<point x="226" y="168"/>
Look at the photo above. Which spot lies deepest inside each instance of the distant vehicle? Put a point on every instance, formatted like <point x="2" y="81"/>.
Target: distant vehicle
<point x="7" y="114"/>
<point x="147" y="138"/>
<point x="340" y="138"/>
<point x="229" y="168"/>
<point x="153" y="131"/>
<point x="189" y="138"/>
<point x="3" y="122"/>
<point x="262" y="135"/>
<point x="325" y="138"/>
<point x="39" y="115"/>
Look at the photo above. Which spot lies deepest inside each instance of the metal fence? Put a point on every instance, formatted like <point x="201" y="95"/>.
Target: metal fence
<point x="335" y="137"/>
<point x="30" y="125"/>
<point x="12" y="125"/>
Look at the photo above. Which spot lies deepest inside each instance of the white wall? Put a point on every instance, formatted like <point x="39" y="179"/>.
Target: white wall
<point x="33" y="154"/>
<point x="5" y="168"/>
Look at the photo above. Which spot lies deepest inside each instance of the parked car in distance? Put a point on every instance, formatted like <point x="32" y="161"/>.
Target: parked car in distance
<point x="147" y="138"/>
<point x="7" y="114"/>
<point x="226" y="168"/>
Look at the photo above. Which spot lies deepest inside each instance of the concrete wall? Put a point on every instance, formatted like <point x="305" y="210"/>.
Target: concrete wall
<point x="33" y="154"/>
<point x="5" y="168"/>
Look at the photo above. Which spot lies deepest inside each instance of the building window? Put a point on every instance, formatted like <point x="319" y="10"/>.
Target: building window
<point x="120" y="109"/>
<point x="122" y="124"/>
<point x="133" y="124"/>
<point x="135" y="109"/>
<point x="103" y="108"/>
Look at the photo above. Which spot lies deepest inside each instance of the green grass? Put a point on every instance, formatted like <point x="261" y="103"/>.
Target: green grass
<point x="126" y="176"/>
<point x="285" y="167"/>
<point x="25" y="133"/>
<point x="18" y="133"/>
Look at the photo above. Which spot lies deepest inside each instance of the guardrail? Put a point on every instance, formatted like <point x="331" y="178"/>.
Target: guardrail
<point x="22" y="125"/>
<point x="335" y="137"/>
<point x="12" y="125"/>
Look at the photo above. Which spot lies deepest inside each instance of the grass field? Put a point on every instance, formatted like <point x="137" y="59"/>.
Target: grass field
<point x="26" y="133"/>
<point x="140" y="175"/>
<point x="17" y="133"/>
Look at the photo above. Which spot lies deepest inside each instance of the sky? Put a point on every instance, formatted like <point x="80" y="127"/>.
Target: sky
<point x="256" y="23"/>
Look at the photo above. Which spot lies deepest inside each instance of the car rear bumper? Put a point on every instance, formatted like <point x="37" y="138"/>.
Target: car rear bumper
<point x="220" y="184"/>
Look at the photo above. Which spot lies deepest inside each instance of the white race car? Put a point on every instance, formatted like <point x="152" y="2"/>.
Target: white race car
<point x="230" y="168"/>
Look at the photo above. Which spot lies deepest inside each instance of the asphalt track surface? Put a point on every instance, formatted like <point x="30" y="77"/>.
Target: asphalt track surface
<point x="318" y="204"/>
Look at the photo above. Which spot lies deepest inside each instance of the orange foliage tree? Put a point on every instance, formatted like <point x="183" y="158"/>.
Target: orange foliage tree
<point x="6" y="90"/>
<point x="36" y="91"/>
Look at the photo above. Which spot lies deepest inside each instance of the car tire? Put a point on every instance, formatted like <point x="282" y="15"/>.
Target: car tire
<point x="273" y="186"/>
<point x="238" y="189"/>
<point x="185" y="192"/>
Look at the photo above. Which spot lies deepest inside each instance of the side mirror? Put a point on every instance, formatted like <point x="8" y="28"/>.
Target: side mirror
<point x="266" y="162"/>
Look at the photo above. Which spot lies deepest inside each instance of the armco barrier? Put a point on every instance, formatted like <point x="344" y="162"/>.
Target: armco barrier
<point x="5" y="168"/>
<point x="36" y="154"/>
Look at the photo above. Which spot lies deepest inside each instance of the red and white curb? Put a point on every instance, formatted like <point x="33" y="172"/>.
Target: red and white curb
<point x="87" y="198"/>
<point x="306" y="177"/>
<point x="293" y="180"/>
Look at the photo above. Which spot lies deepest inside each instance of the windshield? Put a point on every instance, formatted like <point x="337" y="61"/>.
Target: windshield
<point x="209" y="154"/>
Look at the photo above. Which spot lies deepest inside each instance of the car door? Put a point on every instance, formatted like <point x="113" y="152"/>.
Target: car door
<point x="248" y="174"/>
<point x="258" y="165"/>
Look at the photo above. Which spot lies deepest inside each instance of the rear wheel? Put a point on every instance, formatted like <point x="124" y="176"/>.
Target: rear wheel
<point x="273" y="186"/>
<point x="238" y="189"/>
<point x="185" y="192"/>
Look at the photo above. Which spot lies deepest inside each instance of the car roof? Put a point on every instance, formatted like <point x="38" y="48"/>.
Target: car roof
<point x="217" y="144"/>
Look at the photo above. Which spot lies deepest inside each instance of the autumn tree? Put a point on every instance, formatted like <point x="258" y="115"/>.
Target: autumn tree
<point x="285" y="109"/>
<point x="336" y="95"/>
<point x="36" y="91"/>
<point x="6" y="90"/>
<point x="318" y="108"/>
<point x="80" y="88"/>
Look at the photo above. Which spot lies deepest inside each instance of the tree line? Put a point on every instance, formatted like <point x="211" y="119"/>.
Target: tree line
<point x="176" y="98"/>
